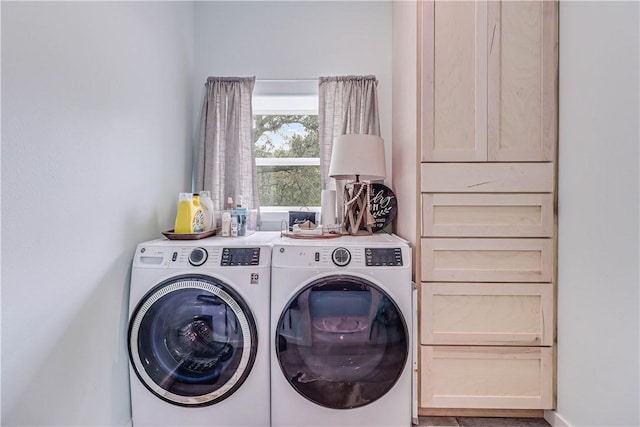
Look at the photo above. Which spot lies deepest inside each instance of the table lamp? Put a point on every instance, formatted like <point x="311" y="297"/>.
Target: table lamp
<point x="358" y="156"/>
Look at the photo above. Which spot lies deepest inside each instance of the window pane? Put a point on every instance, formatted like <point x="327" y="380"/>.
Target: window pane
<point x="292" y="137"/>
<point x="289" y="185"/>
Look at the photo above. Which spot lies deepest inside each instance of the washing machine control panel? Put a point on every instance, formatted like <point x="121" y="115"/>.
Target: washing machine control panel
<point x="240" y="256"/>
<point x="383" y="257"/>
<point x="201" y="256"/>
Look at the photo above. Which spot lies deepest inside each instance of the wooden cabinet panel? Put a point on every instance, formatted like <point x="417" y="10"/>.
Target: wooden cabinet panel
<point x="487" y="260"/>
<point x="487" y="177"/>
<point x="487" y="314"/>
<point x="522" y="70"/>
<point x="488" y="132"/>
<point x="454" y="125"/>
<point x="486" y="377"/>
<point x="487" y="215"/>
<point x="489" y="80"/>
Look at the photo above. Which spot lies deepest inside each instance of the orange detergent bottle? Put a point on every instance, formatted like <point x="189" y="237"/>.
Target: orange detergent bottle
<point x="190" y="218"/>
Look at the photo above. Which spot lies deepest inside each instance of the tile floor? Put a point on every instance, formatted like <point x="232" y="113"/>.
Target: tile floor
<point x="481" y="422"/>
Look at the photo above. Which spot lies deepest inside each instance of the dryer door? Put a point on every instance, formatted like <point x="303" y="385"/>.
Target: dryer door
<point x="192" y="340"/>
<point x="342" y="342"/>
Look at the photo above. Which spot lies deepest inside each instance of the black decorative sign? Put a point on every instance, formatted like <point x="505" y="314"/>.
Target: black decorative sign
<point x="383" y="205"/>
<point x="298" y="217"/>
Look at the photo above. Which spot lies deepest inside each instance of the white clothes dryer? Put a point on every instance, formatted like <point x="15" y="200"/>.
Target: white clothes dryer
<point x="198" y="332"/>
<point x="342" y="330"/>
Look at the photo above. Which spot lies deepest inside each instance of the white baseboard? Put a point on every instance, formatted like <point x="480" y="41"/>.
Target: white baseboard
<point x="553" y="418"/>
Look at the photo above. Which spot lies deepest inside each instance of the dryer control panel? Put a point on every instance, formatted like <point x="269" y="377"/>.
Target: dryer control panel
<point x="343" y="257"/>
<point x="383" y="257"/>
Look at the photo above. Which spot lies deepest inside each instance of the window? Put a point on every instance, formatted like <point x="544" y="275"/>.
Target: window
<point x="287" y="154"/>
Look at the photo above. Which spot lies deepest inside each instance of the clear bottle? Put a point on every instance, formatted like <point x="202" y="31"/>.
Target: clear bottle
<point x="207" y="208"/>
<point x="234" y="226"/>
<point x="226" y="224"/>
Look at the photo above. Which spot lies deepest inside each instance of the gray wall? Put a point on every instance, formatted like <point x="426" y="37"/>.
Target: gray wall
<point x="100" y="102"/>
<point x="598" y="361"/>
<point x="96" y="126"/>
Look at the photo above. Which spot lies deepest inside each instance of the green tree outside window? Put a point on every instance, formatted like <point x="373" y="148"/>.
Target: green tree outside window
<point x="287" y="136"/>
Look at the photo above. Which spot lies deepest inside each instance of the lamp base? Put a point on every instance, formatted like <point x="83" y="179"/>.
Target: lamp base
<point x="357" y="218"/>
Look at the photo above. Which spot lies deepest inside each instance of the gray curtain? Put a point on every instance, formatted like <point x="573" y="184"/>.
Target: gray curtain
<point x="226" y="159"/>
<point x="348" y="104"/>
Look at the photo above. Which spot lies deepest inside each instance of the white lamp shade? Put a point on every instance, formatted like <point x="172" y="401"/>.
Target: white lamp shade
<point x="357" y="154"/>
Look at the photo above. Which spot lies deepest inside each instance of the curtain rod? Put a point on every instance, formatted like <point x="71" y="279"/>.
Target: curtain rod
<point x="288" y="80"/>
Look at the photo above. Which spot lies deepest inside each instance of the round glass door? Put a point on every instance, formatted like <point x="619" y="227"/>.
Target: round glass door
<point x="192" y="340"/>
<point x="342" y="342"/>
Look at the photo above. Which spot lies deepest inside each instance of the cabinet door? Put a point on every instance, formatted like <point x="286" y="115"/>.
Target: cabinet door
<point x="489" y="89"/>
<point x="522" y="72"/>
<point x="454" y="87"/>
<point x="487" y="377"/>
<point x="518" y="314"/>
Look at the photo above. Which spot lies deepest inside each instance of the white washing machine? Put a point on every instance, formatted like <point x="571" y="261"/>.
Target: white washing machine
<point x="198" y="332"/>
<point x="342" y="325"/>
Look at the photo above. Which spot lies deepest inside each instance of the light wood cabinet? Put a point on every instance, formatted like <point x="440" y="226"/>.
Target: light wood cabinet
<point x="487" y="184"/>
<point x="489" y="81"/>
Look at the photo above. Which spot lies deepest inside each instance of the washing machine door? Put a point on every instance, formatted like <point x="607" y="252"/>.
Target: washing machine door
<point x="192" y="340"/>
<point x="342" y="342"/>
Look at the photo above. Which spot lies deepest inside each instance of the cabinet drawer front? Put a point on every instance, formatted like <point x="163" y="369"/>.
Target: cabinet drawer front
<point x="486" y="260"/>
<point x="487" y="314"/>
<point x="486" y="377"/>
<point x="487" y="215"/>
<point x="487" y="178"/>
